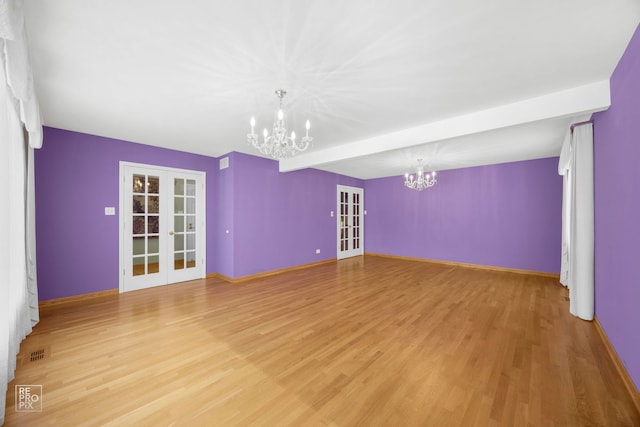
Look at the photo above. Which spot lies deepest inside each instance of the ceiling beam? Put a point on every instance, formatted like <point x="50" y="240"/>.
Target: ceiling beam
<point x="580" y="100"/>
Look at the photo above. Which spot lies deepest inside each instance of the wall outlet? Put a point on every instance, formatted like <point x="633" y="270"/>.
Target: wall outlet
<point x="331" y="213"/>
<point x="317" y="251"/>
<point x="110" y="211"/>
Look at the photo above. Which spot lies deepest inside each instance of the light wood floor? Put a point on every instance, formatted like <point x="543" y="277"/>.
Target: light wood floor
<point x="361" y="342"/>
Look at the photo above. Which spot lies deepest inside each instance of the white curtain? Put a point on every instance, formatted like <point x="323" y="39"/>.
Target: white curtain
<point x="18" y="112"/>
<point x="564" y="170"/>
<point x="577" y="266"/>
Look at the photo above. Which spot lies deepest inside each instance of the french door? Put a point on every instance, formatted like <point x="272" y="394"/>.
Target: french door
<point x="350" y="223"/>
<point x="162" y="223"/>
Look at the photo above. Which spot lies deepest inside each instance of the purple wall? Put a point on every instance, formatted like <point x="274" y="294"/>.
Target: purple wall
<point x="76" y="178"/>
<point x="280" y="219"/>
<point x="617" y="211"/>
<point x="506" y="215"/>
<point x="274" y="220"/>
<point x="224" y="245"/>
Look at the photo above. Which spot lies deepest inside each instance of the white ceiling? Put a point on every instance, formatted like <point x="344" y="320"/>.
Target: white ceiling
<point x="188" y="75"/>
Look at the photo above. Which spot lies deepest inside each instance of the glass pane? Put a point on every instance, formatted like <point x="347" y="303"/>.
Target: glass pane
<point x="153" y="225"/>
<point x="138" y="225"/>
<point x="138" y="246"/>
<point x="178" y="187"/>
<point x="154" y="245"/>
<point x="153" y="186"/>
<point x="154" y="204"/>
<point x="178" y="205"/>
<point x="138" y="204"/>
<point x="191" y="205"/>
<point x="138" y="183"/>
<point x="138" y="266"/>
<point x="191" y="259"/>
<point x="154" y="264"/>
<point x="191" y="223"/>
<point x="191" y="242"/>
<point x="178" y="242"/>
<point x="178" y="260"/>
<point x="178" y="223"/>
<point x="191" y="187"/>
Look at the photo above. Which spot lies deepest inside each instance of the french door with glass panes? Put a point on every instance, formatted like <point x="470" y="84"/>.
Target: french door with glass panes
<point x="162" y="223"/>
<point x="350" y="223"/>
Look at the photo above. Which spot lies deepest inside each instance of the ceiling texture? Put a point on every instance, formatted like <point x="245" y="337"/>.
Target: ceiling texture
<point x="459" y="82"/>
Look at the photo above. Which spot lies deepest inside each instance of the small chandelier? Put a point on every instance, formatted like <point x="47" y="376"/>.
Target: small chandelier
<point x="421" y="180"/>
<point x="279" y="145"/>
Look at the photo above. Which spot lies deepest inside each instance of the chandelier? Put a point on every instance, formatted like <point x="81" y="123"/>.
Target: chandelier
<point x="421" y="180"/>
<point x="279" y="145"/>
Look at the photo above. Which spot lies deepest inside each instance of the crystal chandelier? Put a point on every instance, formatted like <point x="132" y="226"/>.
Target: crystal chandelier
<point x="421" y="180"/>
<point x="279" y="145"/>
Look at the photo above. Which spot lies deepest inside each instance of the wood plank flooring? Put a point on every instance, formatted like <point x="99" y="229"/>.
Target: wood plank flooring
<point x="360" y="342"/>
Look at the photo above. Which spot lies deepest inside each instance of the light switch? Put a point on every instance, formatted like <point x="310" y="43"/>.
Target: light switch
<point x="110" y="211"/>
<point x="332" y="213"/>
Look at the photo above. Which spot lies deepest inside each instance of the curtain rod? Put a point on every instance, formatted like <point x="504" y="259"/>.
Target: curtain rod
<point x="586" y="122"/>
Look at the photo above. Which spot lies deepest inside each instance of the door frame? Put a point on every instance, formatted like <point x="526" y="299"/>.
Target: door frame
<point x="351" y="190"/>
<point x="121" y="219"/>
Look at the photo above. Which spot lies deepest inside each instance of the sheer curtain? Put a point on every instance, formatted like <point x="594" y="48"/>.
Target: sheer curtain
<point x="18" y="113"/>
<point x="577" y="267"/>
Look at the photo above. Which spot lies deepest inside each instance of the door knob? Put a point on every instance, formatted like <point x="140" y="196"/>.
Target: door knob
<point x="171" y="233"/>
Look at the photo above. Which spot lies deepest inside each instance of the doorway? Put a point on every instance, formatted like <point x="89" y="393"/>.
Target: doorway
<point x="350" y="223"/>
<point x="163" y="226"/>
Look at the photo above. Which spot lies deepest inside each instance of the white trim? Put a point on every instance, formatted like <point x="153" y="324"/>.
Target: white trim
<point x="346" y="254"/>
<point x="121" y="203"/>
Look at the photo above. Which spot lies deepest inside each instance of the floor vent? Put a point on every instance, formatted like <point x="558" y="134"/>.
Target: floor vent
<point x="36" y="355"/>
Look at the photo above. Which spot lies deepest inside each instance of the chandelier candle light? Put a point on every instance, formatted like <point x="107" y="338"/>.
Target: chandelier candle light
<point x="421" y="180"/>
<point x="279" y="145"/>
